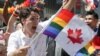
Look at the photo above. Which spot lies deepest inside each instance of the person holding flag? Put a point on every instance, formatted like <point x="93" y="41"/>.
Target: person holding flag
<point x="19" y="43"/>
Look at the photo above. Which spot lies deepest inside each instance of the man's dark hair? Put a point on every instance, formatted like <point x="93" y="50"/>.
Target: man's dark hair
<point x="95" y="15"/>
<point x="25" y="12"/>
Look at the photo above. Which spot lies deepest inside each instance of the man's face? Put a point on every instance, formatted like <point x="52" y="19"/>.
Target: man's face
<point x="91" y="21"/>
<point x="32" y="21"/>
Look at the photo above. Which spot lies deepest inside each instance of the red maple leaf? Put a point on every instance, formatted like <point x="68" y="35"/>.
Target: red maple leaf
<point x="74" y="36"/>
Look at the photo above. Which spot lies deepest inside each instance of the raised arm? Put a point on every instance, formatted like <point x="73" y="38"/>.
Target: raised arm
<point x="5" y="11"/>
<point x="10" y="26"/>
<point x="68" y="4"/>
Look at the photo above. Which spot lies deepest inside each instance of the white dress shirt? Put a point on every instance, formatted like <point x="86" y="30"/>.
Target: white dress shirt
<point x="18" y="39"/>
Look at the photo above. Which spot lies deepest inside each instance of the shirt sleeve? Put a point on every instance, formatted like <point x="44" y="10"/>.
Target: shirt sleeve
<point x="12" y="43"/>
<point x="45" y="23"/>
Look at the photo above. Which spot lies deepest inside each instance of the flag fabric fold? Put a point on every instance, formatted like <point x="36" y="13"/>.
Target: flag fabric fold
<point x="69" y="31"/>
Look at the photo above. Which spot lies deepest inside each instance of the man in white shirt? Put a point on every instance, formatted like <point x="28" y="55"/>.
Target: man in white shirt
<point x="19" y="41"/>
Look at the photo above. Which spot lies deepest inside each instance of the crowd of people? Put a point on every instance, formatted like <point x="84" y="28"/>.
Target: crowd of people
<point x="25" y="23"/>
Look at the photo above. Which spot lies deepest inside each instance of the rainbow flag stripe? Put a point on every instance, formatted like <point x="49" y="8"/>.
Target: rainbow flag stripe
<point x="58" y="23"/>
<point x="91" y="47"/>
<point x="86" y="51"/>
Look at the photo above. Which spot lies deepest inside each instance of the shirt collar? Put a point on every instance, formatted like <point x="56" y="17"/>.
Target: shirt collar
<point x="22" y="34"/>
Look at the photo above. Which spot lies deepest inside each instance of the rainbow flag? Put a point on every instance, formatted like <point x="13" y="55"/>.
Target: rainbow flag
<point x="69" y="31"/>
<point x="58" y="23"/>
<point x="91" y="47"/>
<point x="86" y="51"/>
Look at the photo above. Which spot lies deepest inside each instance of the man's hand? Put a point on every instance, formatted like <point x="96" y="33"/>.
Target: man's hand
<point x="22" y="51"/>
<point x="6" y="35"/>
<point x="68" y="4"/>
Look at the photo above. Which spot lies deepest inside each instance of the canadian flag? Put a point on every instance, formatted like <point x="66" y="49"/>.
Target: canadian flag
<point x="74" y="36"/>
<point x="69" y="31"/>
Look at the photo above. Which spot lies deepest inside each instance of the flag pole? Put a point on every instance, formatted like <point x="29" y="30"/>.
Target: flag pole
<point x="41" y="32"/>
